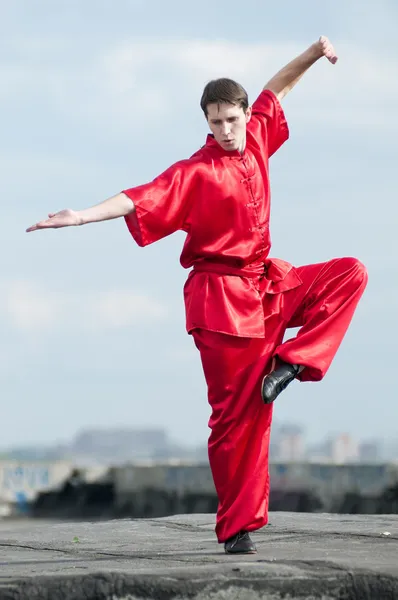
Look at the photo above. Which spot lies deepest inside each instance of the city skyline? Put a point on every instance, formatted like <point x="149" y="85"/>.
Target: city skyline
<point x="112" y="446"/>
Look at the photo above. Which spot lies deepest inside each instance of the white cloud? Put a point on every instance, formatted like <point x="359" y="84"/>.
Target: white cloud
<point x="124" y="86"/>
<point x="41" y="168"/>
<point x="117" y="308"/>
<point x="348" y="92"/>
<point x="29" y="307"/>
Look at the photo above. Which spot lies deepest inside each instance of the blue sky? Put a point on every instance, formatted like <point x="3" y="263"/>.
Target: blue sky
<point x="97" y="96"/>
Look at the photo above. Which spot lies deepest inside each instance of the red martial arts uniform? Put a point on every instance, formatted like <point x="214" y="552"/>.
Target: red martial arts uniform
<point x="239" y="302"/>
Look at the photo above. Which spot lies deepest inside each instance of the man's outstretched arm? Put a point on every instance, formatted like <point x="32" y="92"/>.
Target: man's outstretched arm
<point x="112" y="208"/>
<point x="291" y="74"/>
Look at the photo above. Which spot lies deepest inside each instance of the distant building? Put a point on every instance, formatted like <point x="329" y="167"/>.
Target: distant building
<point x="370" y="451"/>
<point x="120" y="445"/>
<point x="343" y="449"/>
<point x="288" y="444"/>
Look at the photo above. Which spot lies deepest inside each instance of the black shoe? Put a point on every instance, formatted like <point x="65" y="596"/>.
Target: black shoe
<point x="240" y="544"/>
<point x="277" y="381"/>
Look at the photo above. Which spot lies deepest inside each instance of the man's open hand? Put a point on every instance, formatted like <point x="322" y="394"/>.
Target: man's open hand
<point x="64" y="218"/>
<point x="327" y="50"/>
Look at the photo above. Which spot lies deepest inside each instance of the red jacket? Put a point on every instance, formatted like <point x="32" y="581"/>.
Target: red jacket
<point x="221" y="200"/>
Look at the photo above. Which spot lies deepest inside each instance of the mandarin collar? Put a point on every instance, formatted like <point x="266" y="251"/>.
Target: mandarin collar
<point x="213" y="144"/>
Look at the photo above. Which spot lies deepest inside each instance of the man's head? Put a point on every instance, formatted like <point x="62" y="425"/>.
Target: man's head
<point x="226" y="108"/>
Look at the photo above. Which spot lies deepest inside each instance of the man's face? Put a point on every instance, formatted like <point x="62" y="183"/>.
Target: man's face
<point x="227" y="123"/>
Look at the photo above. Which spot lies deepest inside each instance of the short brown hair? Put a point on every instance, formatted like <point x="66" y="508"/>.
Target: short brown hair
<point x="226" y="91"/>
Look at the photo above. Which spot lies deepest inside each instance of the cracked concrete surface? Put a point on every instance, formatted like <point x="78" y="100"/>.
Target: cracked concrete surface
<point x="304" y="556"/>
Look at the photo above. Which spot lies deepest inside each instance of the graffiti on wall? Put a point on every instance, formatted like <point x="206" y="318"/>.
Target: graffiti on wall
<point x="21" y="482"/>
<point x="24" y="478"/>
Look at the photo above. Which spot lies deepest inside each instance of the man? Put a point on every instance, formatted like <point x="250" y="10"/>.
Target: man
<point x="239" y="302"/>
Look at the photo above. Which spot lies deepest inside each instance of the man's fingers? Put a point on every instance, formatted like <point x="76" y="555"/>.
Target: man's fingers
<point x="50" y="222"/>
<point x="331" y="56"/>
<point x="40" y="225"/>
<point x="328" y="50"/>
<point x="32" y="228"/>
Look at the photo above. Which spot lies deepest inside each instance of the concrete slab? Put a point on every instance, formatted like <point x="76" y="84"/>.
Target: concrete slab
<point x="304" y="556"/>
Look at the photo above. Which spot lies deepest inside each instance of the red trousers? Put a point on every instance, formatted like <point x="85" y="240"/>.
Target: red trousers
<point x="234" y="367"/>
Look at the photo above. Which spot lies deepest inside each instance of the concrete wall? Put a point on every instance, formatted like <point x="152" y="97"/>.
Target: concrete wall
<point x="329" y="478"/>
<point x="332" y="488"/>
<point x="324" y="478"/>
<point x="141" y="490"/>
<point x="170" y="477"/>
<point x="164" y="489"/>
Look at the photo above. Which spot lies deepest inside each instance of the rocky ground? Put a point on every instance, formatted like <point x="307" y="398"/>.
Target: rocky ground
<point x="299" y="556"/>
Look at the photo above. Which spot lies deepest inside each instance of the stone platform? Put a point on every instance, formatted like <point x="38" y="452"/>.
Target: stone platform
<point x="303" y="556"/>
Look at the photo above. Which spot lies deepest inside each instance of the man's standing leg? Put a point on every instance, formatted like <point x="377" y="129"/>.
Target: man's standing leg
<point x="323" y="306"/>
<point x="240" y="429"/>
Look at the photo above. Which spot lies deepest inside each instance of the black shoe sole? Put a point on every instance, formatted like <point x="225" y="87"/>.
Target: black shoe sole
<point x="240" y="553"/>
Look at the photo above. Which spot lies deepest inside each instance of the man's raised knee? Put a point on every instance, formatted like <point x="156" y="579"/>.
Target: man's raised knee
<point x="358" y="269"/>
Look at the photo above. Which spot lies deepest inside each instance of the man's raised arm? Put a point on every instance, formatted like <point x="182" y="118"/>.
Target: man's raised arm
<point x="112" y="208"/>
<point x="287" y="77"/>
